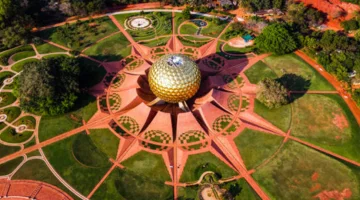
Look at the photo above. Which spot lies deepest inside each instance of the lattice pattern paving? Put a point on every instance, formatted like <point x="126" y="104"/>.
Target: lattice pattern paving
<point x="118" y="81"/>
<point x="108" y="78"/>
<point x="115" y="102"/>
<point x="234" y="83"/>
<point x="118" y="129"/>
<point x="223" y="122"/>
<point x="156" y="136"/>
<point x="245" y="103"/>
<point x="233" y="102"/>
<point x="129" y="124"/>
<point x="191" y="137"/>
<point x="103" y="103"/>
<point x="133" y="65"/>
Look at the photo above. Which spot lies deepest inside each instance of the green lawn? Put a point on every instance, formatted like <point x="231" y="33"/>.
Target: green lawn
<point x="9" y="166"/>
<point x="229" y="57"/>
<point x="11" y="112"/>
<point x="48" y="48"/>
<point x="325" y="120"/>
<point x="29" y="121"/>
<point x="189" y="28"/>
<point x="91" y="73"/>
<point x="279" y="117"/>
<point x="113" y="48"/>
<point x="185" y="193"/>
<point x="291" y="63"/>
<point x="178" y="20"/>
<point x="258" y="72"/>
<point x="37" y="170"/>
<point x="22" y="55"/>
<point x="79" y="36"/>
<point x="255" y="147"/>
<point x="197" y="164"/>
<point x="106" y="141"/>
<point x="290" y="174"/>
<point x="5" y="75"/>
<point x="240" y="190"/>
<point x="9" y="135"/>
<point x="51" y="126"/>
<point x="148" y="165"/>
<point x="212" y="29"/>
<point x="7" y="150"/>
<point x="62" y="156"/>
<point x="191" y="41"/>
<point x="156" y="42"/>
<point x="7" y="98"/>
<point x="20" y="65"/>
<point x="5" y="55"/>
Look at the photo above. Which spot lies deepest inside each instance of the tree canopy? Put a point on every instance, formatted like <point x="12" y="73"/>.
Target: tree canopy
<point x="50" y="86"/>
<point x="272" y="93"/>
<point x="277" y="39"/>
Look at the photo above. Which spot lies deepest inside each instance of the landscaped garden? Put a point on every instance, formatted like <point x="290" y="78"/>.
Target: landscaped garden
<point x="77" y="111"/>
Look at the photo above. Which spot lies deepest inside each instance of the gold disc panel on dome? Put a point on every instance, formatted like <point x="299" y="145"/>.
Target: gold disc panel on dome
<point x="174" y="78"/>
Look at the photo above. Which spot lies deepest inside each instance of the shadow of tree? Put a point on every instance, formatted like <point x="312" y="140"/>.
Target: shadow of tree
<point x="295" y="83"/>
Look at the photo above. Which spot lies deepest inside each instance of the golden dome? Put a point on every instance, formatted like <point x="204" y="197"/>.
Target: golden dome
<point x="174" y="78"/>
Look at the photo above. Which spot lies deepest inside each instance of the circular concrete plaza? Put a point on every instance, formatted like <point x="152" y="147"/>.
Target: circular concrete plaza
<point x="121" y="142"/>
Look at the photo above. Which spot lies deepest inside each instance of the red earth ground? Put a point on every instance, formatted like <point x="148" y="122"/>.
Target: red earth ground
<point x="331" y="7"/>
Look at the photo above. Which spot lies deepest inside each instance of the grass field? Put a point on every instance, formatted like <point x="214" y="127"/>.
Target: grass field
<point x="258" y="72"/>
<point x="27" y="172"/>
<point x="156" y="42"/>
<point x="6" y="150"/>
<point x="9" y="135"/>
<point x="7" y="98"/>
<point x="62" y="157"/>
<point x="185" y="193"/>
<point x="291" y="63"/>
<point x="29" y="121"/>
<point x="51" y="126"/>
<point x="11" y="112"/>
<point x="192" y="41"/>
<point x="197" y="164"/>
<point x="325" y="120"/>
<point x="279" y="117"/>
<point x="8" y="167"/>
<point x="240" y="190"/>
<point x="5" y="55"/>
<point x="298" y="172"/>
<point x="125" y="184"/>
<point x="189" y="28"/>
<point x="22" y="55"/>
<point x="178" y="20"/>
<point x="229" y="57"/>
<point x="48" y="48"/>
<point x="91" y="73"/>
<point x="20" y="65"/>
<point x="143" y="178"/>
<point x="5" y="75"/>
<point x="255" y="147"/>
<point x="105" y="141"/>
<point x="113" y="48"/>
<point x="79" y="36"/>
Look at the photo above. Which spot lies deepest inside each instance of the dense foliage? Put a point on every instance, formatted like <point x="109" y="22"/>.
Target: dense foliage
<point x="277" y="39"/>
<point x="256" y="5"/>
<point x="351" y="24"/>
<point x="305" y="15"/>
<point x="50" y="86"/>
<point x="272" y="93"/>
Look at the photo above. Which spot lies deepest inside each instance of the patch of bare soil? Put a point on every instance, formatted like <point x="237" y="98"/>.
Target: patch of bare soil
<point x="334" y="194"/>
<point x="340" y="121"/>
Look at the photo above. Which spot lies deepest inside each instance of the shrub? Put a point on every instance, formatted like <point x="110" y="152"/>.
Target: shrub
<point x="271" y="93"/>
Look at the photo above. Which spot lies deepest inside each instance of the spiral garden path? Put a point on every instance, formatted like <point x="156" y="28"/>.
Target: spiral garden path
<point x="225" y="131"/>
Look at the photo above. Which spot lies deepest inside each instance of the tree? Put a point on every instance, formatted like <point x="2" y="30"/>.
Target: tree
<point x="50" y="86"/>
<point x="351" y="24"/>
<point x="271" y="93"/>
<point x="276" y="38"/>
<point x="186" y="13"/>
